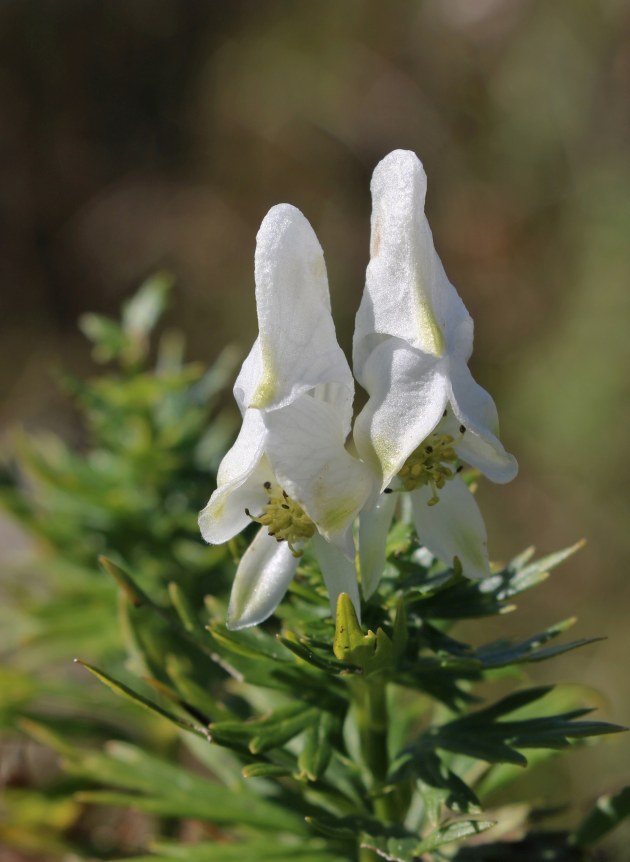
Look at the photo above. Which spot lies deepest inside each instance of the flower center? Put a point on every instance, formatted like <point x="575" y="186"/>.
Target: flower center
<point x="284" y="519"/>
<point x="433" y="463"/>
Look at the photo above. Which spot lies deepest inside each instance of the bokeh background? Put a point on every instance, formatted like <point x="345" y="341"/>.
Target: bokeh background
<point x="141" y="135"/>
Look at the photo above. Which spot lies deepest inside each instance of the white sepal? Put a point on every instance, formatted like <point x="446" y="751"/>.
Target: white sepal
<point x="263" y="575"/>
<point x="408" y="394"/>
<point x="297" y="342"/>
<point x="407" y="293"/>
<point x="240" y="482"/>
<point x="475" y="410"/>
<point x="453" y="527"/>
<point x="305" y="446"/>
<point x="339" y="573"/>
<point x="374" y="526"/>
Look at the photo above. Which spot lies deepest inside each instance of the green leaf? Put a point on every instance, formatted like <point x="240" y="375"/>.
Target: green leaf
<point x="408" y="848"/>
<point x="504" y="652"/>
<point x="171" y="790"/>
<point x="426" y="766"/>
<point x="132" y="591"/>
<point x="460" y="830"/>
<point x="129" y="694"/>
<point x="533" y="573"/>
<point x="509" y="703"/>
<point x="342" y="829"/>
<point x="607" y="814"/>
<point x="265" y="770"/>
<point x="250" y="643"/>
<point x="315" y="756"/>
<point x="270" y="731"/>
<point x="281" y="726"/>
<point x="482" y="736"/>
<point x="393" y="849"/>
<point x="302" y="647"/>
<point x="184" y="609"/>
<point x="249" y="811"/>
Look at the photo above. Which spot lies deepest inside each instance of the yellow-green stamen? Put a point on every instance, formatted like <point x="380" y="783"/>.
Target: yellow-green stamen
<point x="433" y="463"/>
<point x="284" y="519"/>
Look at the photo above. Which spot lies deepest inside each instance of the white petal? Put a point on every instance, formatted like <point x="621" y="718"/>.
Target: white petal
<point x="305" y="446"/>
<point x="298" y="346"/>
<point x="249" y="377"/>
<point x="408" y="394"/>
<point x="453" y="527"/>
<point x="261" y="580"/>
<point x="374" y="526"/>
<point x="240" y="479"/>
<point x="340" y="574"/>
<point x="475" y="410"/>
<point x="407" y="293"/>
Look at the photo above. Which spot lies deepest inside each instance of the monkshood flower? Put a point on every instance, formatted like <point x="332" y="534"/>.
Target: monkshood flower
<point x="289" y="470"/>
<point x="425" y="414"/>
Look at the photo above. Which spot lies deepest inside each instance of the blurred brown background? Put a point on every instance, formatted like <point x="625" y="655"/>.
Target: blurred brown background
<point x="140" y="134"/>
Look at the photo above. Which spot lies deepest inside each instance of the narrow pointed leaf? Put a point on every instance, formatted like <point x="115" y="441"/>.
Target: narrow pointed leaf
<point x="134" y="593"/>
<point x="128" y="693"/>
<point x="315" y="756"/>
<point x="274" y="735"/>
<point x="265" y="770"/>
<point x="454" y="832"/>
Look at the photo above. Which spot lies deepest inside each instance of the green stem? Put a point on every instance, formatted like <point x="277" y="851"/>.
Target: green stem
<point x="370" y="696"/>
<point x="389" y="804"/>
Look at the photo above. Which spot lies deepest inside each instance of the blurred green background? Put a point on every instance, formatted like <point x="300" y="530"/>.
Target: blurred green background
<point x="140" y="135"/>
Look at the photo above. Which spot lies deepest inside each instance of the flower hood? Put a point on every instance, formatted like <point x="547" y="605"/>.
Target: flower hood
<point x="413" y="338"/>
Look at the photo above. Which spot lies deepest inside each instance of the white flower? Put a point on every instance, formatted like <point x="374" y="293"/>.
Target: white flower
<point x="425" y="412"/>
<point x="289" y="469"/>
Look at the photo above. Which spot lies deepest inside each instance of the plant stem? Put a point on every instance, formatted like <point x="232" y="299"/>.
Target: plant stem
<point x="373" y="723"/>
<point x="390" y="804"/>
<point x="370" y="698"/>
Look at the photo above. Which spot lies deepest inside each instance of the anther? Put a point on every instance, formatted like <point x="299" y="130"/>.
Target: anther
<point x="445" y="412"/>
<point x="284" y="519"/>
<point x="460" y="468"/>
<point x="462" y="429"/>
<point x="433" y="463"/>
<point x="388" y="491"/>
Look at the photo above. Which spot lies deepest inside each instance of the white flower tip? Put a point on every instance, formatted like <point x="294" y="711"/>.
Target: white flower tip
<point x="511" y="469"/>
<point x="400" y="174"/>
<point x="210" y="518"/>
<point x="503" y="471"/>
<point x="285" y="233"/>
<point x="205" y="520"/>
